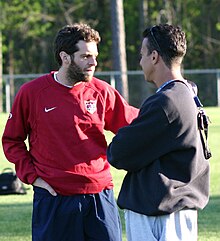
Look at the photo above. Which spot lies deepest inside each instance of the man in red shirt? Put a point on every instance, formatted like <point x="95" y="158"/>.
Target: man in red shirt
<point x="64" y="114"/>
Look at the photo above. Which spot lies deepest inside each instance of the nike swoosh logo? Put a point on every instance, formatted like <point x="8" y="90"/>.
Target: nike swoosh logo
<point x="49" y="109"/>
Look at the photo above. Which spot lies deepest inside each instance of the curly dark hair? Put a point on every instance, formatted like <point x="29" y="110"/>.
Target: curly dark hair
<point x="169" y="41"/>
<point x="68" y="36"/>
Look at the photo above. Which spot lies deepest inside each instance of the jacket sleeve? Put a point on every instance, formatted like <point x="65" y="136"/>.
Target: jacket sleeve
<point x="16" y="131"/>
<point x="144" y="140"/>
<point x="118" y="112"/>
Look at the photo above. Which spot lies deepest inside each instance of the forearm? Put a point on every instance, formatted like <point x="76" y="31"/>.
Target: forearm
<point x="139" y="144"/>
<point x="16" y="152"/>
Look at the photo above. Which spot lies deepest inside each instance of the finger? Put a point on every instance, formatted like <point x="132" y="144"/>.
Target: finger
<point x="51" y="190"/>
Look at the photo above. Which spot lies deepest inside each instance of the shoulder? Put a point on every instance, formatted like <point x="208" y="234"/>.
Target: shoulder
<point x="177" y="102"/>
<point x="102" y="87"/>
<point x="100" y="84"/>
<point x="39" y="82"/>
<point x="175" y="94"/>
<point x="180" y="96"/>
<point x="33" y="87"/>
<point x="166" y="101"/>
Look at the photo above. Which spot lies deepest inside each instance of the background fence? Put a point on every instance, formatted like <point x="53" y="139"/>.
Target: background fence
<point x="207" y="80"/>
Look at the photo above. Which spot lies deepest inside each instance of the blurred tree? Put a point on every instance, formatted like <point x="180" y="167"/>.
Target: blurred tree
<point x="28" y="28"/>
<point x="1" y="74"/>
<point x="118" y="46"/>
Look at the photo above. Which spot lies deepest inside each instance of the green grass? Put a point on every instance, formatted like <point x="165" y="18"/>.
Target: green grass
<point x="16" y="211"/>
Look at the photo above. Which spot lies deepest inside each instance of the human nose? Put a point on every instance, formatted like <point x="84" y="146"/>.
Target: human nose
<point x="140" y="62"/>
<point x="93" y="61"/>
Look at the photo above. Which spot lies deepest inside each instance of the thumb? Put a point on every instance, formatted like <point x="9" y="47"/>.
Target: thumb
<point x="39" y="182"/>
<point x="51" y="190"/>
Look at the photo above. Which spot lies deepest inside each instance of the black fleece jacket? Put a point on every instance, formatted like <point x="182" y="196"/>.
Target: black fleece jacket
<point x="161" y="151"/>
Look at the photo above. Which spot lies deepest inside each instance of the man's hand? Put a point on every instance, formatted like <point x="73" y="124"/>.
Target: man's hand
<point x="39" y="182"/>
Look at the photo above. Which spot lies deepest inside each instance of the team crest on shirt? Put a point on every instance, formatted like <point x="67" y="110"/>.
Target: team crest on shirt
<point x="90" y="106"/>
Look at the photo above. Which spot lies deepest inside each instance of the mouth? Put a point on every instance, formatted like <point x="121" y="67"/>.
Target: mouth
<point x="89" y="71"/>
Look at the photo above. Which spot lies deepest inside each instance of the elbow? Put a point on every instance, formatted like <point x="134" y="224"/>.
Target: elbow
<point x="116" y="159"/>
<point x="113" y="158"/>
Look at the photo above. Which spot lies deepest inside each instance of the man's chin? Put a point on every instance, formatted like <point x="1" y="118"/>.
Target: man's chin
<point x="88" y="78"/>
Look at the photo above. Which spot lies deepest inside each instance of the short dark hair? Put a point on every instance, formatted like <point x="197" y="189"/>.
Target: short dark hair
<point x="68" y="36"/>
<point x="169" y="41"/>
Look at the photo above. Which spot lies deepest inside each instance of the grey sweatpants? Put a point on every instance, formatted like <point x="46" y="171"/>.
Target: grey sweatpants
<point x="178" y="226"/>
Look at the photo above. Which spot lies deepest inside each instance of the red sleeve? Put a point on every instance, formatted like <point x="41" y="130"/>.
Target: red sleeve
<point x="13" y="140"/>
<point x="118" y="112"/>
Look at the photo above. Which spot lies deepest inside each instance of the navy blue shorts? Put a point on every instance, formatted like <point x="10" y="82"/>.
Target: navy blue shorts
<point x="90" y="217"/>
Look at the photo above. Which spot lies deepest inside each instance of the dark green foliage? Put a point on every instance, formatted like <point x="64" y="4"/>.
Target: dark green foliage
<point x="29" y="27"/>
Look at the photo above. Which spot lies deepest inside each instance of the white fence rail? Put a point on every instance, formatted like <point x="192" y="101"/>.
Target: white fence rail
<point x="208" y="81"/>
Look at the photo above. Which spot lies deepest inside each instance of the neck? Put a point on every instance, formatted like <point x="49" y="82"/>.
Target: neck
<point x="162" y="77"/>
<point x="61" y="79"/>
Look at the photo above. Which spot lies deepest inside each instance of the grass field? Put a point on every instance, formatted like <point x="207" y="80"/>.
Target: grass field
<point x="15" y="210"/>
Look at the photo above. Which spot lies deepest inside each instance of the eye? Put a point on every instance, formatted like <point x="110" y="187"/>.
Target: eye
<point x="85" y="56"/>
<point x="88" y="56"/>
<point x="140" y="56"/>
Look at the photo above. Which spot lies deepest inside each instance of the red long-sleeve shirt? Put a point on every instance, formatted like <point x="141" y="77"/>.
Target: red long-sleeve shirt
<point x="65" y="130"/>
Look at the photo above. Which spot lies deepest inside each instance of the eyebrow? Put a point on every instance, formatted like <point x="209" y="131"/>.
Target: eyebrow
<point x="89" y="54"/>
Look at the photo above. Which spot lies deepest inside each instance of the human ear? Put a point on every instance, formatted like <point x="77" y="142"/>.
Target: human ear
<point x="154" y="57"/>
<point x="65" y="57"/>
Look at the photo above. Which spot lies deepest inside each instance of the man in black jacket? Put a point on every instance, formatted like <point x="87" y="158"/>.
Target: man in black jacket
<point x="167" y="178"/>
